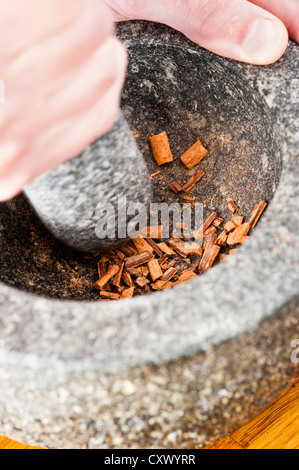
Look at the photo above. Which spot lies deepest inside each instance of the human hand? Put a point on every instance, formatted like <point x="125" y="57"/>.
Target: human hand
<point x="63" y="73"/>
<point x="254" y="31"/>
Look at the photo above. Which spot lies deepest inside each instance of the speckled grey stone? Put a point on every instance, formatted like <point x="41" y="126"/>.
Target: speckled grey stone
<point x="100" y="372"/>
<point x="70" y="198"/>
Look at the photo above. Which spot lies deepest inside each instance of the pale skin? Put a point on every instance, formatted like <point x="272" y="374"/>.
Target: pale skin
<point x="63" y="70"/>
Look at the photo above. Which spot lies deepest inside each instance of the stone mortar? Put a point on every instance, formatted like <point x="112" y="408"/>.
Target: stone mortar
<point x="182" y="367"/>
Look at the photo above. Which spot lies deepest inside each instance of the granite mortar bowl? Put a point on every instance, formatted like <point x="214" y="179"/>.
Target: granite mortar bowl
<point x="166" y="369"/>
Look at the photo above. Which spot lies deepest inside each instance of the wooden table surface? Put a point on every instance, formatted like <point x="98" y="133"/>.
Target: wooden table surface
<point x="276" y="427"/>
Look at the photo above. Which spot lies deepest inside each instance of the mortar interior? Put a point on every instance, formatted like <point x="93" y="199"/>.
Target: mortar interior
<point x="192" y="97"/>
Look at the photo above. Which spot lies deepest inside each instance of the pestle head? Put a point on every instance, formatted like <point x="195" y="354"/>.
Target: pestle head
<point x="107" y="178"/>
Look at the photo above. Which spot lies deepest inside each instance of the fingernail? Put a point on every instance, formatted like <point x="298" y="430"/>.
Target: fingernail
<point x="264" y="40"/>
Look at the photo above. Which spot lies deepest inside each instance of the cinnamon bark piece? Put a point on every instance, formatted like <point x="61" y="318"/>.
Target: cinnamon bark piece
<point x="199" y="233"/>
<point x="229" y="226"/>
<point x="257" y="212"/>
<point x="127" y="279"/>
<point x="194" y="155"/>
<point x="118" y="275"/>
<point x="101" y="269"/>
<point x="103" y="281"/>
<point x="109" y="295"/>
<point x="164" y="280"/>
<point x="222" y="239"/>
<point x="104" y="259"/>
<point x="154" y="174"/>
<point x="128" y="249"/>
<point x="166" y="249"/>
<point x="134" y="272"/>
<point x="209" y="230"/>
<point x="162" y="286"/>
<point x="139" y="259"/>
<point x="237" y="235"/>
<point x="127" y="293"/>
<point x="209" y="240"/>
<point x="154" y="246"/>
<point x="185" y="276"/>
<point x="175" y="187"/>
<point x="218" y="222"/>
<point x="141" y="281"/>
<point x="144" y="270"/>
<point x="185" y="248"/>
<point x="238" y="220"/>
<point x="161" y="148"/>
<point x="155" y="269"/>
<point x="208" y="259"/>
<point x="193" y="180"/>
<point x="168" y="274"/>
<point x="141" y="245"/>
<point x="162" y="259"/>
<point x="120" y="254"/>
<point x="169" y="265"/>
<point x="233" y="208"/>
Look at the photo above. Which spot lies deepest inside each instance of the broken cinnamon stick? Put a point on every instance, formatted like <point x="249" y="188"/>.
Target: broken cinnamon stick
<point x="101" y="269"/>
<point x="238" y="220"/>
<point x="185" y="248"/>
<point x="185" y="276"/>
<point x="127" y="293"/>
<point x="141" y="245"/>
<point x="109" y="295"/>
<point x="257" y="212"/>
<point x="166" y="249"/>
<point x="175" y="187"/>
<point x="222" y="239"/>
<point x="155" y="269"/>
<point x="199" y="233"/>
<point x="209" y="240"/>
<point x="161" y="148"/>
<point x="229" y="226"/>
<point x="103" y="281"/>
<point x="233" y="208"/>
<point x="141" y="281"/>
<point x="134" y="272"/>
<point x="237" y="235"/>
<point x="127" y="279"/>
<point x="118" y="275"/>
<point x="209" y="256"/>
<point x="154" y="246"/>
<point x="218" y="222"/>
<point x="193" y="180"/>
<point x="194" y="155"/>
<point x="139" y="259"/>
<point x="164" y="280"/>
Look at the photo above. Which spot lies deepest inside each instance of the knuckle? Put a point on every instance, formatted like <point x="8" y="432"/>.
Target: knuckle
<point x="125" y="8"/>
<point x="210" y="16"/>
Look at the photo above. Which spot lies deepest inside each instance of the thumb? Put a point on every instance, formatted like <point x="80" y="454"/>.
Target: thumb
<point x="236" y="29"/>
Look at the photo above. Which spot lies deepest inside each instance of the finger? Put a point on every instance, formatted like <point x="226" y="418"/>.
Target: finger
<point x="54" y="62"/>
<point x="79" y="92"/>
<point x="57" y="55"/>
<point x="236" y="29"/>
<point x="63" y="141"/>
<point x="27" y="23"/>
<point x="287" y="11"/>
